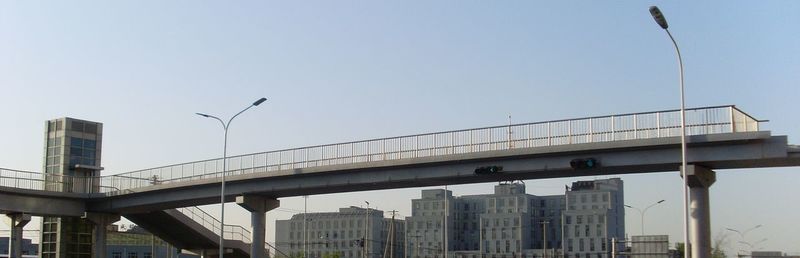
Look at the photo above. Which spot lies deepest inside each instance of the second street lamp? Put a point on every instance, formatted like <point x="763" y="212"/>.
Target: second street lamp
<point x="642" y="212"/>
<point x="225" y="127"/>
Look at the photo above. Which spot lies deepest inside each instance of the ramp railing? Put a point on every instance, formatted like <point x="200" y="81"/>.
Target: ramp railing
<point x="231" y="232"/>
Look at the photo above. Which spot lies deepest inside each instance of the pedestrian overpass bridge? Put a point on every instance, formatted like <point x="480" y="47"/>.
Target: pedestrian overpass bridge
<point x="720" y="137"/>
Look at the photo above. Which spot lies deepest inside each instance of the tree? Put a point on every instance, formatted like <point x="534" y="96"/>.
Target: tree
<point x="332" y="255"/>
<point x="717" y="251"/>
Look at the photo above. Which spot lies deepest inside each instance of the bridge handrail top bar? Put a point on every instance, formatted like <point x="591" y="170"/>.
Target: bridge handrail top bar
<point x="22" y="171"/>
<point x="428" y="134"/>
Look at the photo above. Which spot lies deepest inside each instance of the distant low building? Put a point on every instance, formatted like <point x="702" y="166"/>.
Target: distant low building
<point x="343" y="234"/>
<point x="656" y="246"/>
<point x="137" y="243"/>
<point x="771" y="254"/>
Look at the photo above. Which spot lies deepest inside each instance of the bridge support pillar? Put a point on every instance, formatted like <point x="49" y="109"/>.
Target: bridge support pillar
<point x="258" y="207"/>
<point x="17" y="222"/>
<point x="101" y="222"/>
<point x="699" y="180"/>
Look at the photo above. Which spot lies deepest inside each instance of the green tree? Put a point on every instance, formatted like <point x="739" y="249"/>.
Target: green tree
<point x="332" y="255"/>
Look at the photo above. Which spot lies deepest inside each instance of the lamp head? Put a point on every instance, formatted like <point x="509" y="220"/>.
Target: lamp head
<point x="203" y="115"/>
<point x="628" y="206"/>
<point x="259" y="101"/>
<point x="661" y="201"/>
<point x="659" y="17"/>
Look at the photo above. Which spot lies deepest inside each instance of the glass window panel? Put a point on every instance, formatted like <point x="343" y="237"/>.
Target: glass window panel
<point x="74" y="161"/>
<point x="75" y="152"/>
<point x="88" y="153"/>
<point x="76" y="142"/>
<point x="77" y="126"/>
<point x="90" y="144"/>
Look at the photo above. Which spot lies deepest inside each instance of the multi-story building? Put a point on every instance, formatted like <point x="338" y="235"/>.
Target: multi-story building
<point x="510" y="223"/>
<point x="595" y="214"/>
<point x="72" y="148"/>
<point x="350" y="233"/>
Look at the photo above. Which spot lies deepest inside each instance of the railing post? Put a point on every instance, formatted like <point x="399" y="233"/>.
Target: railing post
<point x="470" y="141"/>
<point x="549" y="134"/>
<point x="733" y="123"/>
<point x="658" y="124"/>
<point x="613" y="133"/>
<point x="591" y="131"/>
<point x="635" y="128"/>
<point x="569" y="131"/>
<point x="416" y="146"/>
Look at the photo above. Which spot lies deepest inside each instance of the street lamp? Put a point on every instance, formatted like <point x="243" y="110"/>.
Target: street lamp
<point x="642" y="212"/>
<point x="742" y="234"/>
<point x="659" y="18"/>
<point x="225" y="127"/>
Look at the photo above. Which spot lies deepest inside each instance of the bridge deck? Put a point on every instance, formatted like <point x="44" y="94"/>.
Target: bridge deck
<point x="648" y="125"/>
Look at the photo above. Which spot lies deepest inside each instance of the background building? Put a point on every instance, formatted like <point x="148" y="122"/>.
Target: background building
<point x="72" y="147"/>
<point x="510" y="223"/>
<point x="595" y="214"/>
<point x="138" y="243"/>
<point x="344" y="234"/>
<point x="28" y="248"/>
<point x="654" y="246"/>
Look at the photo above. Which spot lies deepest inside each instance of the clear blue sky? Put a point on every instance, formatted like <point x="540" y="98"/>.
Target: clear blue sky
<point x="350" y="70"/>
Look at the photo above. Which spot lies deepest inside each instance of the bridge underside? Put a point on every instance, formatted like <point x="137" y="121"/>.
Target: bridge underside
<point x="185" y="233"/>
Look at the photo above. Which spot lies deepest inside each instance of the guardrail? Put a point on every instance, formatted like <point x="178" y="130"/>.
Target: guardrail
<point x="55" y="182"/>
<point x="706" y="120"/>
<point x="231" y="232"/>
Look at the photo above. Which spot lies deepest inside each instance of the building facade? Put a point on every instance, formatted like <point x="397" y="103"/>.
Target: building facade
<point x="595" y="214"/>
<point x="132" y="244"/>
<point x="510" y="223"/>
<point x="72" y="148"/>
<point x="350" y="233"/>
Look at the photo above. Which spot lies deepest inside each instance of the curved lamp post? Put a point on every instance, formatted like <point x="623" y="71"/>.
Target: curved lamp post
<point x="225" y="127"/>
<point x="743" y="233"/>
<point x="659" y="18"/>
<point x="642" y="212"/>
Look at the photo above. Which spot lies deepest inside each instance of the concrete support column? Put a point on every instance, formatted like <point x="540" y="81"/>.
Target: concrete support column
<point x="258" y="206"/>
<point x="101" y="221"/>
<point x="699" y="180"/>
<point x="17" y="222"/>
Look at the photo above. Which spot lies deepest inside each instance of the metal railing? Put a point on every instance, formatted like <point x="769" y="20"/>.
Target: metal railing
<point x="706" y="120"/>
<point x="54" y="182"/>
<point x="231" y="232"/>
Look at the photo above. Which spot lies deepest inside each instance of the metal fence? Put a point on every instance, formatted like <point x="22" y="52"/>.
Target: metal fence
<point x="706" y="120"/>
<point x="232" y="232"/>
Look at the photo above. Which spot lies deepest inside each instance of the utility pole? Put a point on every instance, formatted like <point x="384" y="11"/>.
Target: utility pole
<point x="544" y="238"/>
<point x="416" y="245"/>
<point x="366" y="231"/>
<point x="391" y="244"/>
<point x="446" y="213"/>
<point x="305" y="226"/>
<point x="389" y="250"/>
